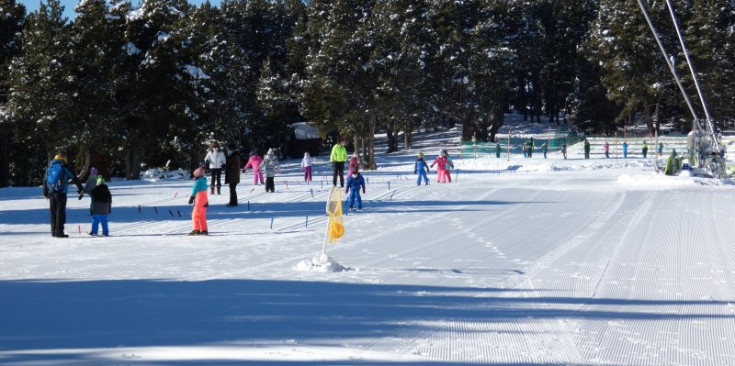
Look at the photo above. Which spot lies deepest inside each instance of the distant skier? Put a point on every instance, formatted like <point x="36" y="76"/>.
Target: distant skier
<point x="607" y="149"/>
<point x="338" y="158"/>
<point x="545" y="149"/>
<point x="564" y="150"/>
<point x="200" y="201"/>
<point x="55" y="188"/>
<point x="306" y="164"/>
<point x="660" y="149"/>
<point x="441" y="163"/>
<point x="232" y="172"/>
<point x="421" y="168"/>
<point x="354" y="161"/>
<point x="448" y="167"/>
<point x="100" y="207"/>
<point x="644" y="149"/>
<point x="586" y="149"/>
<point x="255" y="161"/>
<point x="216" y="160"/>
<point x="625" y="150"/>
<point x="497" y="150"/>
<point x="354" y="183"/>
<point x="271" y="169"/>
<point x="530" y="147"/>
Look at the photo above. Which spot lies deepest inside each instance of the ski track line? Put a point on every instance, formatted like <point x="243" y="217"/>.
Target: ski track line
<point x="570" y="352"/>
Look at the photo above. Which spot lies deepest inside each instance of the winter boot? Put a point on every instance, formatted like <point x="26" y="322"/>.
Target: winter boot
<point x="194" y="232"/>
<point x="212" y="190"/>
<point x="204" y="232"/>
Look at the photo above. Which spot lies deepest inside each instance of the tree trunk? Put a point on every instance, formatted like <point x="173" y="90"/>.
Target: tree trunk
<point x="648" y="119"/>
<point x="657" y="118"/>
<point x="4" y="159"/>
<point x="132" y="163"/>
<point x="392" y="137"/>
<point x="371" y="165"/>
<point x="407" y="136"/>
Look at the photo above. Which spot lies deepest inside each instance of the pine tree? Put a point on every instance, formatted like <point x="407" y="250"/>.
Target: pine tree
<point x="11" y="24"/>
<point x="40" y="80"/>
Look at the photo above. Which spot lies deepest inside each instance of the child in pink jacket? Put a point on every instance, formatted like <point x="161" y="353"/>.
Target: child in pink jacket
<point x="441" y="170"/>
<point x="255" y="162"/>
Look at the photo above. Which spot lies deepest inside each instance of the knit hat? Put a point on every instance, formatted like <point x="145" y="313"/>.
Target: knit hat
<point x="421" y="154"/>
<point x="100" y="180"/>
<point x="199" y="172"/>
<point x="93" y="171"/>
<point x="60" y="156"/>
<point x="306" y="154"/>
<point x="270" y="151"/>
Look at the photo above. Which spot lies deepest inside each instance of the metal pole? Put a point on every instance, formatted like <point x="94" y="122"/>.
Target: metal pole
<point x="694" y="74"/>
<point x="671" y="66"/>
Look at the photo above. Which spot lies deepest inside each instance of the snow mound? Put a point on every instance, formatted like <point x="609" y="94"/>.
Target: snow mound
<point x="656" y="181"/>
<point x="320" y="263"/>
<point x="159" y="174"/>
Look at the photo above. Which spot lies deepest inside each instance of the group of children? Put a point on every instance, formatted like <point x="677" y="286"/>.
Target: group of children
<point x="101" y="204"/>
<point x="443" y="170"/>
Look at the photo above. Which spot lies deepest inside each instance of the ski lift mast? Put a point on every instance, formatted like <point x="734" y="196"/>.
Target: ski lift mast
<point x="709" y="149"/>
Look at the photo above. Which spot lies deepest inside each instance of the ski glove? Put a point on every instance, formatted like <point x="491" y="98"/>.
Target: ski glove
<point x="191" y="200"/>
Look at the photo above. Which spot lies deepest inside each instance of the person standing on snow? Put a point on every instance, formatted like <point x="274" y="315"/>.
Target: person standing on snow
<point x="564" y="149"/>
<point x="441" y="164"/>
<point x="422" y="169"/>
<point x="55" y="188"/>
<point x="644" y="149"/>
<point x="216" y="160"/>
<point x="448" y="168"/>
<point x="354" y="161"/>
<point x="232" y="172"/>
<point x="101" y="207"/>
<point x="354" y="183"/>
<point x="545" y="148"/>
<point x="586" y="149"/>
<point x="497" y="150"/>
<point x="200" y="201"/>
<point x="530" y="147"/>
<point x="271" y="169"/>
<point x="607" y="149"/>
<point x="306" y="164"/>
<point x="660" y="149"/>
<point x="625" y="150"/>
<point x="338" y="158"/>
<point x="254" y="162"/>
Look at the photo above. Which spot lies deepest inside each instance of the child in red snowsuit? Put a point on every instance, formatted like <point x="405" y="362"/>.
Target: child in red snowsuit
<point x="441" y="162"/>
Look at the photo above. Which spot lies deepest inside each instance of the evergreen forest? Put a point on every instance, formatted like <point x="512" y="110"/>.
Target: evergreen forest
<point x="151" y="83"/>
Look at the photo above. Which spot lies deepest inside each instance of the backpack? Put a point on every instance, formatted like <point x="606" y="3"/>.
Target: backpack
<point x="55" y="177"/>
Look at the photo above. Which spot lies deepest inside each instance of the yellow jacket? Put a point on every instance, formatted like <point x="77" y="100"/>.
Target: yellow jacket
<point x="339" y="154"/>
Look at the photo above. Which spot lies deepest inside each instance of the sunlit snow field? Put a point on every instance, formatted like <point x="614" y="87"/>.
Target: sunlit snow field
<point x="527" y="261"/>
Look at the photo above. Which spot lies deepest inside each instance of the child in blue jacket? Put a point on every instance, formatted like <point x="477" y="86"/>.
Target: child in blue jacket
<point x="421" y="168"/>
<point x="354" y="182"/>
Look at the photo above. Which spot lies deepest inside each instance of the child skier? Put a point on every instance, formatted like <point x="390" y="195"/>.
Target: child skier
<point x="422" y="169"/>
<point x="101" y="207"/>
<point x="354" y="183"/>
<point x="354" y="161"/>
<point x="306" y="164"/>
<point x="441" y="163"/>
<point x="199" y="199"/>
<point x="271" y="169"/>
<point x="448" y="167"/>
<point x="255" y="162"/>
<point x="607" y="150"/>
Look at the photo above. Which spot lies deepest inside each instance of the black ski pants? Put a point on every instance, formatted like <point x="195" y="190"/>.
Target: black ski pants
<point x="216" y="177"/>
<point x="57" y="204"/>
<point x="339" y="170"/>
<point x="270" y="184"/>
<point x="233" y="194"/>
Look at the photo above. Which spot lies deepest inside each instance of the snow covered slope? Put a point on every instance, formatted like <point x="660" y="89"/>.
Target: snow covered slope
<point x="528" y="261"/>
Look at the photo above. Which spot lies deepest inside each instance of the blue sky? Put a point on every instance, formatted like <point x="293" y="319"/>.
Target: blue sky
<point x="69" y="5"/>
